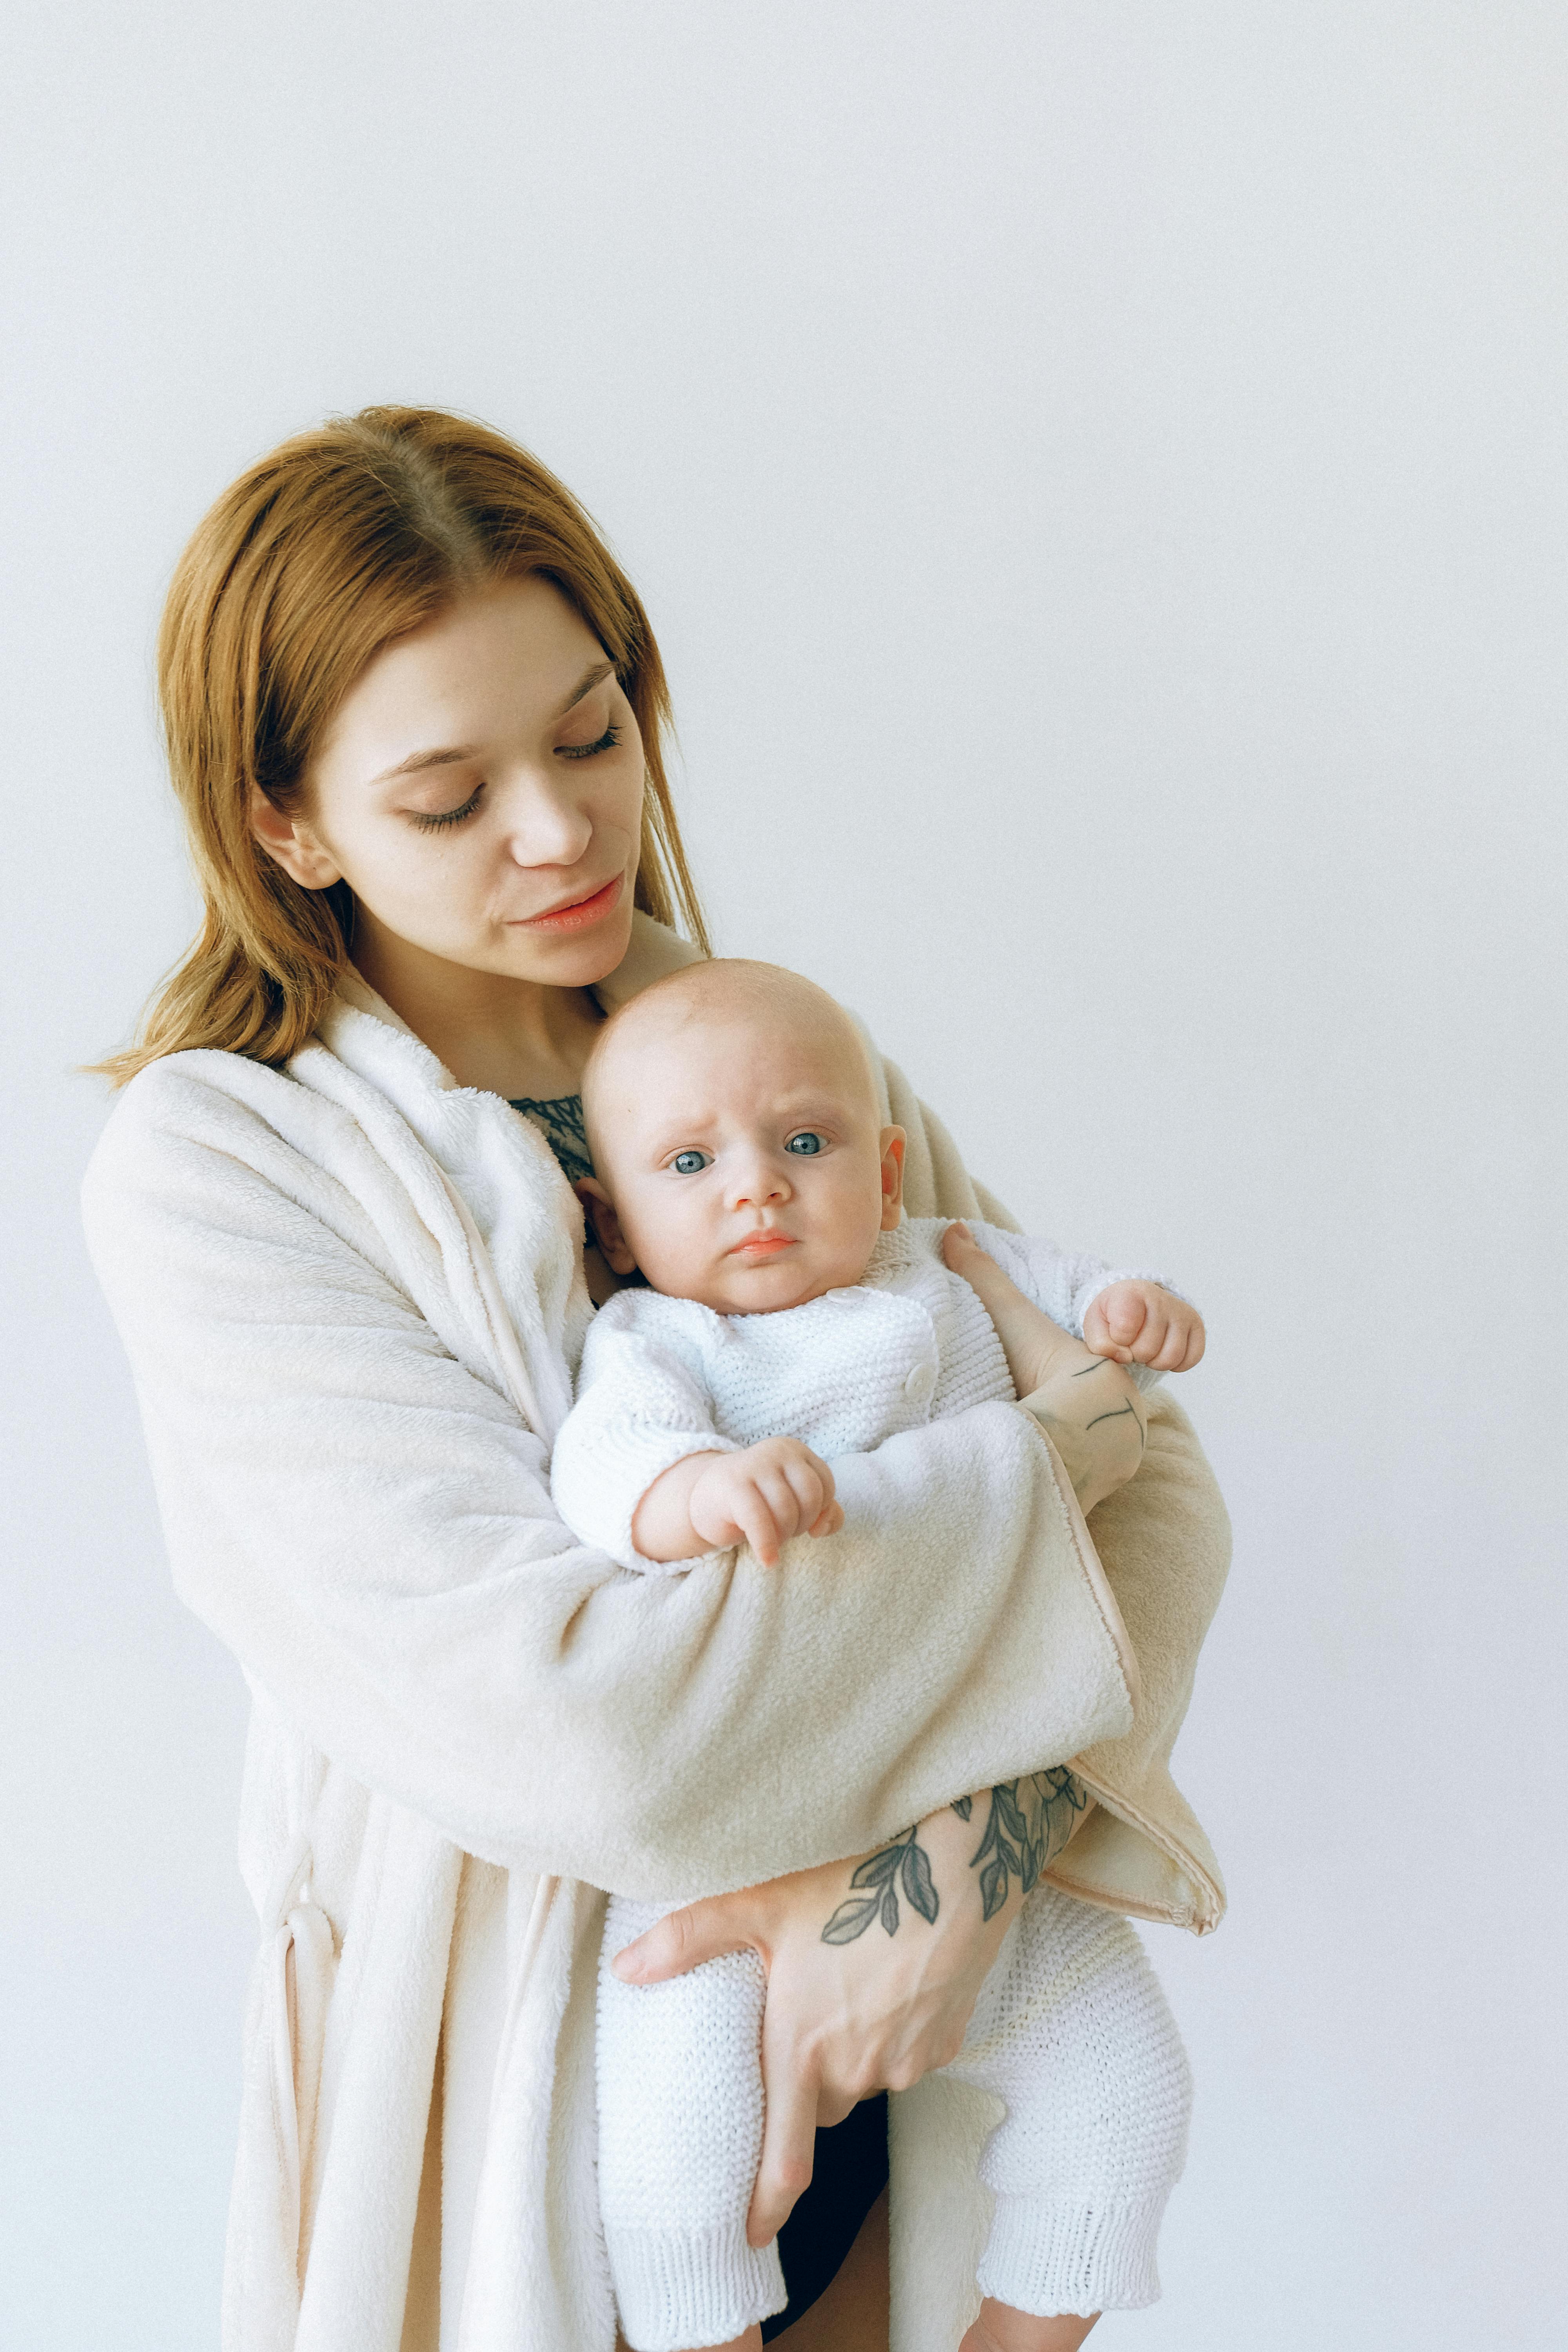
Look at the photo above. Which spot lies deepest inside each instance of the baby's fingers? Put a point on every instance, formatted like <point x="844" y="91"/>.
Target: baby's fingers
<point x="1184" y="1345"/>
<point x="1097" y="1334"/>
<point x="828" y="1522"/>
<point x="757" y="1521"/>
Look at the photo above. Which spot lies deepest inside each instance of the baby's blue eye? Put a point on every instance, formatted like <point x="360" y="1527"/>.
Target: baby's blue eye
<point x="806" y="1144"/>
<point x="687" y="1163"/>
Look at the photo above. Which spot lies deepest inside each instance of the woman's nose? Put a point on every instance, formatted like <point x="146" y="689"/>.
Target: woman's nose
<point x="545" y="823"/>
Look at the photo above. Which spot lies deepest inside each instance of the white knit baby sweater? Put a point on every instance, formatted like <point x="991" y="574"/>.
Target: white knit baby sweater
<point x="662" y="1378"/>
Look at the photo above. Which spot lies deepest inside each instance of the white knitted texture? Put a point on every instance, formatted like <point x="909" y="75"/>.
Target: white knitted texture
<point x="662" y="1378"/>
<point x="680" y="2132"/>
<point x="1071" y="2030"/>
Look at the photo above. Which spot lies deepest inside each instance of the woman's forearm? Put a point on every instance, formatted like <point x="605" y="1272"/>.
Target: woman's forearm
<point x="874" y="1965"/>
<point x="985" y="1852"/>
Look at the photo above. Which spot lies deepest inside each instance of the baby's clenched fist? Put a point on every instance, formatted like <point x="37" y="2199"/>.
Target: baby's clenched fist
<point x="763" y="1496"/>
<point x="1138" y="1323"/>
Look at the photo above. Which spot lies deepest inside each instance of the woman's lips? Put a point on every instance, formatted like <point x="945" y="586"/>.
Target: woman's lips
<point x="579" y="914"/>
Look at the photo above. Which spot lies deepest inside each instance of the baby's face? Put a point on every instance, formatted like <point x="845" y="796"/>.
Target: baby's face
<point x="745" y="1160"/>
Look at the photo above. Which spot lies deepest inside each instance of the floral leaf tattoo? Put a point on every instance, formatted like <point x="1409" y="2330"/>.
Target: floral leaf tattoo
<point x="1029" y="1823"/>
<point x="876" y="1883"/>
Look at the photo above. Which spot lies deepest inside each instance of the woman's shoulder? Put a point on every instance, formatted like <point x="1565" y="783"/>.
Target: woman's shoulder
<point x="201" y="1098"/>
<point x="213" y="1138"/>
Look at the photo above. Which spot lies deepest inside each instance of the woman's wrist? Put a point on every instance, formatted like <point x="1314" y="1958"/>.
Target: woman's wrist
<point x="1093" y="1413"/>
<point x="982" y="1853"/>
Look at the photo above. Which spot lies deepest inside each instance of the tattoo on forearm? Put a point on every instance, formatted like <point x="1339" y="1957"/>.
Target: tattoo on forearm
<point x="1119" y="1414"/>
<point x="1029" y="1823"/>
<point x="876" y="1882"/>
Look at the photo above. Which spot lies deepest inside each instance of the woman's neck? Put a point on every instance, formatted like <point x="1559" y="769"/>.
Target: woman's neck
<point x="511" y="1037"/>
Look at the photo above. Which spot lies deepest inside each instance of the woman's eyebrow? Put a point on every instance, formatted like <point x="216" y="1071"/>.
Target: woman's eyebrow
<point x="591" y="678"/>
<point x="449" y="756"/>
<point x="416" y="761"/>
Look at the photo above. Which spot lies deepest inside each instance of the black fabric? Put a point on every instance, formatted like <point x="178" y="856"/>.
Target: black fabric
<point x="850" y="2173"/>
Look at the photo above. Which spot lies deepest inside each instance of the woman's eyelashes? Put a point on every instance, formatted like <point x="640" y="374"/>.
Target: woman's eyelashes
<point x="605" y="742"/>
<point x="436" y="821"/>
<point x="428" y="822"/>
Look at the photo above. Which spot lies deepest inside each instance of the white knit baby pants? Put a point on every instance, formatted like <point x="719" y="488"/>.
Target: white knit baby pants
<point x="1071" y="2030"/>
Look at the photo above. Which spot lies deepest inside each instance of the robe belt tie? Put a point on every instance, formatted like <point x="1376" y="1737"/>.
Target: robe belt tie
<point x="295" y="1997"/>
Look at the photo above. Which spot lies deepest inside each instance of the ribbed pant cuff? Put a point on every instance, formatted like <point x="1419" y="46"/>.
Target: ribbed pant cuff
<point x="687" y="2287"/>
<point x="1045" y="2258"/>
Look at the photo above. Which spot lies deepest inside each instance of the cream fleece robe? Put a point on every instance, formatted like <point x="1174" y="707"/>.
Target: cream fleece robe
<point x="662" y="1378"/>
<point x="351" y="1297"/>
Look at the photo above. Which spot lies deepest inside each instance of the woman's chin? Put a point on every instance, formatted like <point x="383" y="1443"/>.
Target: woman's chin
<point x="575" y="959"/>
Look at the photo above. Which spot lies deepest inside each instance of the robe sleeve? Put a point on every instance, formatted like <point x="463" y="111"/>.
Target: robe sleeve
<point x="1164" y="1542"/>
<point x="368" y="1525"/>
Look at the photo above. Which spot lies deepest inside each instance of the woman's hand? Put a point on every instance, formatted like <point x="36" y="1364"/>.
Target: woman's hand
<point x="873" y="1969"/>
<point x="1088" y="1407"/>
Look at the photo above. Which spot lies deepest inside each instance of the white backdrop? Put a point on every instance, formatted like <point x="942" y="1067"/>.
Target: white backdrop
<point x="1098" y="473"/>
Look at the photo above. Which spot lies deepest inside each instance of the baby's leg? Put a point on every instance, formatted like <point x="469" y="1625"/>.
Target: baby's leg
<point x="680" y="2132"/>
<point x="1073" y="2032"/>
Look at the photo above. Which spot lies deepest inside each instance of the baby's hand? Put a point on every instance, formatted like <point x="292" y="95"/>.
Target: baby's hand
<point x="762" y="1496"/>
<point x="1138" y="1323"/>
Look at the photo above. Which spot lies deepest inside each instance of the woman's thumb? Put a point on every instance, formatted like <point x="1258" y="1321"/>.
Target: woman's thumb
<point x="682" y="1941"/>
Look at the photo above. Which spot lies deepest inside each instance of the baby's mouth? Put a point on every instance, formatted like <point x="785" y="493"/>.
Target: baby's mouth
<point x="763" y="1245"/>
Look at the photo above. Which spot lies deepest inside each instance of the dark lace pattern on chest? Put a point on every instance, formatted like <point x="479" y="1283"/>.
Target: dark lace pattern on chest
<point x="559" y="1121"/>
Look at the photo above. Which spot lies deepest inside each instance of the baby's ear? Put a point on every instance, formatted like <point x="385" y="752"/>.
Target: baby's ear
<point x="604" y="1225"/>
<point x="893" y="1150"/>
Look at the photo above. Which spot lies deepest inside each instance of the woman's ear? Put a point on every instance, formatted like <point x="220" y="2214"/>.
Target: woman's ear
<point x="604" y="1225"/>
<point x="289" y="841"/>
<point x="893" y="1150"/>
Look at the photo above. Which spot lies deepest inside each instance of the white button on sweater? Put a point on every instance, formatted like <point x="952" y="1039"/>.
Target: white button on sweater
<point x="662" y="1378"/>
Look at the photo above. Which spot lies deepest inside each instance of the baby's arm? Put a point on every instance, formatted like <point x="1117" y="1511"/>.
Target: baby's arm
<point x="1130" y="1318"/>
<point x="639" y="1467"/>
<point x="761" y="1496"/>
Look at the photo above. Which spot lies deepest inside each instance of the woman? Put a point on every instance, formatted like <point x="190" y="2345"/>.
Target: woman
<point x="414" y="714"/>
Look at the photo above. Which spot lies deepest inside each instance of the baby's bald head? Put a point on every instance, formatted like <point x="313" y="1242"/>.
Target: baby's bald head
<point x="744" y="1088"/>
<point x="731" y="993"/>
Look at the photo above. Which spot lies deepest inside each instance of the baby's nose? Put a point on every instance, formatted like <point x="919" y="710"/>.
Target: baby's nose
<point x="759" y="1182"/>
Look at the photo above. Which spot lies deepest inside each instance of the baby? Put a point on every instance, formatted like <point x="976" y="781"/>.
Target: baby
<point x="792" y="1313"/>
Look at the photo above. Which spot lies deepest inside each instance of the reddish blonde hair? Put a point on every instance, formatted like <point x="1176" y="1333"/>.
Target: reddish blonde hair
<point x="342" y="539"/>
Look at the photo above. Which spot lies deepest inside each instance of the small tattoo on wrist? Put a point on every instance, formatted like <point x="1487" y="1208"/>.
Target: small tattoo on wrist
<point x="875" y="1885"/>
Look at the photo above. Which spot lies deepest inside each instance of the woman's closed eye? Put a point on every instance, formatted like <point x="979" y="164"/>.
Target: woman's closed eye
<point x="605" y="742"/>
<point x="434" y="822"/>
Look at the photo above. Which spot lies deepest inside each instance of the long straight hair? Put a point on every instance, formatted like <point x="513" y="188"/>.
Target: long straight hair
<point x="341" y="539"/>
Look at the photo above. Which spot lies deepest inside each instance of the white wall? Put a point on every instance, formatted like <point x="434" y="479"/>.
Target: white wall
<point x="1097" y="472"/>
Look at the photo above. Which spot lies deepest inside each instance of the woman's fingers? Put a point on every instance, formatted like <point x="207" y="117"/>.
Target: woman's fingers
<point x="684" y="1940"/>
<point x="1032" y="1345"/>
<point x="789" y="2143"/>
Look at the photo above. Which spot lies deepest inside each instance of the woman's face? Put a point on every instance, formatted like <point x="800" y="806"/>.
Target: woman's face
<point x="480" y="790"/>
